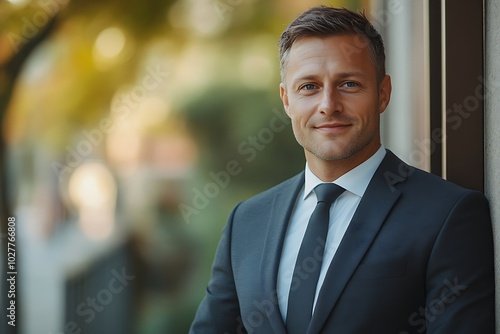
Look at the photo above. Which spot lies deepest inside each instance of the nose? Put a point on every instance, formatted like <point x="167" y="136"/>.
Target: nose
<point x="330" y="102"/>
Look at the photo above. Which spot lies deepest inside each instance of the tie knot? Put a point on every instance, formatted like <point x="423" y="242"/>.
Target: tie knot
<point x="328" y="192"/>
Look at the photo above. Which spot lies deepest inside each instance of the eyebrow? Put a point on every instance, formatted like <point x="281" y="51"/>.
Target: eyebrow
<point x="313" y="77"/>
<point x="304" y="78"/>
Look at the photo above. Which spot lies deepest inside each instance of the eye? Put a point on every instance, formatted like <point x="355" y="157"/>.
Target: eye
<point x="308" y="87"/>
<point x="350" y="84"/>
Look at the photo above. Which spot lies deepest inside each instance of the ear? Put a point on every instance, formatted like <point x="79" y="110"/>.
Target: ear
<point x="385" y="90"/>
<point x="284" y="98"/>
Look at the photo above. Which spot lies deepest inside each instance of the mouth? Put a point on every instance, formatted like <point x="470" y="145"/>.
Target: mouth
<point x="333" y="127"/>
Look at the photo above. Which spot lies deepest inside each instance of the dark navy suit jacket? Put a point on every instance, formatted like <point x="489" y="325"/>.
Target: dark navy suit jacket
<point x="417" y="257"/>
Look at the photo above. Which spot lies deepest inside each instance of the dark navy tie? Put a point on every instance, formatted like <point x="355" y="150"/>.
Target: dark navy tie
<point x="308" y="265"/>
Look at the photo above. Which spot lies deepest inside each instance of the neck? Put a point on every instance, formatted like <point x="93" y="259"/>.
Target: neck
<point x="330" y="170"/>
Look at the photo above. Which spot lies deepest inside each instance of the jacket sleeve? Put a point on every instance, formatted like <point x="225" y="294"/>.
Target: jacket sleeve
<point x="219" y="311"/>
<point x="460" y="280"/>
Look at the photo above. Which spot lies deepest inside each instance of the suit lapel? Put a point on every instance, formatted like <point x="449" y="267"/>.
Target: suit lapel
<point x="281" y="210"/>
<point x="371" y="213"/>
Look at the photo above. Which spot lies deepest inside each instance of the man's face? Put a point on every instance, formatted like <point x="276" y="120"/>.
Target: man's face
<point x="332" y="96"/>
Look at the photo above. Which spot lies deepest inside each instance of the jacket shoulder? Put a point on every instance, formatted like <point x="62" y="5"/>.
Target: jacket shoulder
<point x="290" y="185"/>
<point x="399" y="174"/>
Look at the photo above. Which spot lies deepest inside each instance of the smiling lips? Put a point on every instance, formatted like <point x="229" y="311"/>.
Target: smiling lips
<point x="332" y="127"/>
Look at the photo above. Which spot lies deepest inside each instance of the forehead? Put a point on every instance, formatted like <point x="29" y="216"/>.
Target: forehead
<point x="339" y="53"/>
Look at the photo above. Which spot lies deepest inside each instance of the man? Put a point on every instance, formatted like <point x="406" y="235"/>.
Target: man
<point x="399" y="250"/>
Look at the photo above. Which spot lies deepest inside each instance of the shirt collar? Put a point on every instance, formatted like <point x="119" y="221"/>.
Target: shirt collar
<point x="355" y="181"/>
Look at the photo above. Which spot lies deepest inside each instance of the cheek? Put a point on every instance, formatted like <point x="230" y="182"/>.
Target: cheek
<point x="301" y="110"/>
<point x="366" y="114"/>
<point x="296" y="117"/>
<point x="297" y="127"/>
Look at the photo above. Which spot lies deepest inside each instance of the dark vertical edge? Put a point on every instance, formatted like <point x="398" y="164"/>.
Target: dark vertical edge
<point x="435" y="78"/>
<point x="465" y="93"/>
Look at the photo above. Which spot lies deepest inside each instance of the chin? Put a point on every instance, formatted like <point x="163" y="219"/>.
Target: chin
<point x="332" y="156"/>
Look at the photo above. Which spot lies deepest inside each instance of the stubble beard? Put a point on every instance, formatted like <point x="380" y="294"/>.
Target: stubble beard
<point x="341" y="152"/>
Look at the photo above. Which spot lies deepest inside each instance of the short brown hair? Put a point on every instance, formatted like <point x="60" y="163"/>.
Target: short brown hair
<point x="326" y="21"/>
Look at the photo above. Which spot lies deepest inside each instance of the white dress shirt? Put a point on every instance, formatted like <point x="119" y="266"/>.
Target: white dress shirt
<point x="342" y="210"/>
